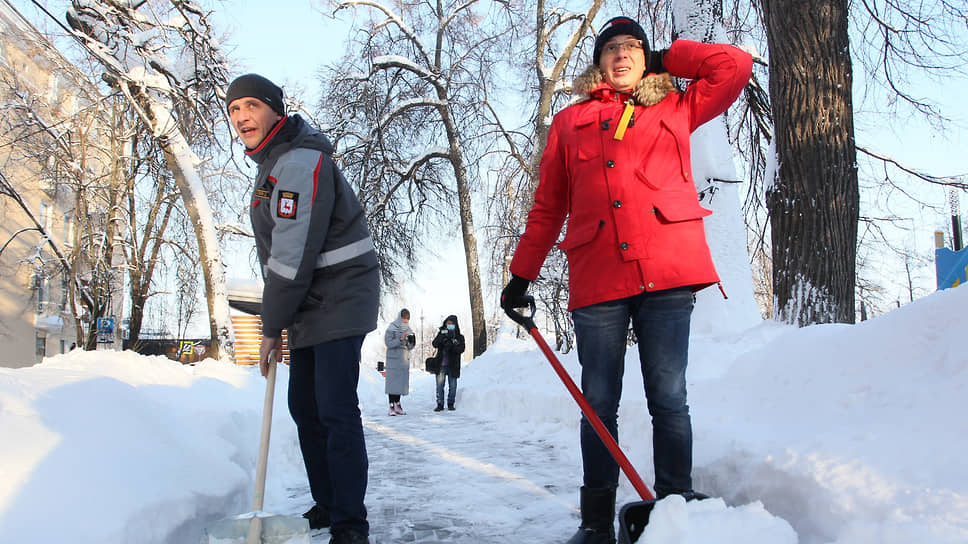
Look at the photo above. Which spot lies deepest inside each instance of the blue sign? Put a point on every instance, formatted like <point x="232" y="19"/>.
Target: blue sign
<point x="951" y="267"/>
<point x="105" y="329"/>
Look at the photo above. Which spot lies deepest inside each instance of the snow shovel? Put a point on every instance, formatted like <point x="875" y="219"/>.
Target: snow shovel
<point x="257" y="527"/>
<point x="634" y="516"/>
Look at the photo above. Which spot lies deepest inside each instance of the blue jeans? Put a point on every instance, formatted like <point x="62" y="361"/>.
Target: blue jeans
<point x="444" y="376"/>
<point x="324" y="404"/>
<point x="661" y="323"/>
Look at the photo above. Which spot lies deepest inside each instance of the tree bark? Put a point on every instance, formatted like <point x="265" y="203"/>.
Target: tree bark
<point x="475" y="293"/>
<point x="814" y="203"/>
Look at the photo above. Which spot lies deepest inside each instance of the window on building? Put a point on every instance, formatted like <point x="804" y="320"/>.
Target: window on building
<point x="63" y="346"/>
<point x="43" y="294"/>
<point x="45" y="216"/>
<point x="65" y="289"/>
<point x="41" y="346"/>
<point x="53" y="89"/>
<point x="68" y="228"/>
<point x="35" y="279"/>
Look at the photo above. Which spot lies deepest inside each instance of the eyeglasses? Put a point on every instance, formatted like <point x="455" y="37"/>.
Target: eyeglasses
<point x="614" y="48"/>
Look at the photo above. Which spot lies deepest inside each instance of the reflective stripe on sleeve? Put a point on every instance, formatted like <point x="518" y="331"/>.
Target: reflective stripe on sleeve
<point x="345" y="253"/>
<point x="283" y="270"/>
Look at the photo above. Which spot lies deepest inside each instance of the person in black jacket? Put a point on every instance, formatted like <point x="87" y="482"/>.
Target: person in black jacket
<point x="450" y="344"/>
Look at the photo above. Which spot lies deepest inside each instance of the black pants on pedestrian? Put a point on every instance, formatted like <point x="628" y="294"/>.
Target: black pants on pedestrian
<point x="323" y="402"/>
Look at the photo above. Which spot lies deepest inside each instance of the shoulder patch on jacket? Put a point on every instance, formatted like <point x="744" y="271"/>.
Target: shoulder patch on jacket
<point x="288" y="202"/>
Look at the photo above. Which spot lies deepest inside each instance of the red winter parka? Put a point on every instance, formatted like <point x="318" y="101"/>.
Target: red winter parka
<point x="634" y="219"/>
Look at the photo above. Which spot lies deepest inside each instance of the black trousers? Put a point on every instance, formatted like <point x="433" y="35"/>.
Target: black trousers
<point x="323" y="402"/>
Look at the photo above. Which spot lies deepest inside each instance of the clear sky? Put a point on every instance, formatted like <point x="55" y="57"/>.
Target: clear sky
<point x="285" y="41"/>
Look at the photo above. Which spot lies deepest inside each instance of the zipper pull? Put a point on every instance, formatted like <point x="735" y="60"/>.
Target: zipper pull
<point x="623" y="123"/>
<point x="721" y="290"/>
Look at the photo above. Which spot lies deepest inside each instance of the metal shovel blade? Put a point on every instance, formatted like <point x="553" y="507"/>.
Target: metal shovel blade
<point x="632" y="519"/>
<point x="275" y="529"/>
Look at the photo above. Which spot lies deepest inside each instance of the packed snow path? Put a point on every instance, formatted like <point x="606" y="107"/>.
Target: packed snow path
<point x="433" y="481"/>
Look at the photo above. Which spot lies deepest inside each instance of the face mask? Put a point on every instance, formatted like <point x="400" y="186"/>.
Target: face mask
<point x="451" y="327"/>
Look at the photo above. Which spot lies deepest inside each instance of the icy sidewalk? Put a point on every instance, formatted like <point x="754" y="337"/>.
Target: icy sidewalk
<point x="482" y="475"/>
<point x="450" y="477"/>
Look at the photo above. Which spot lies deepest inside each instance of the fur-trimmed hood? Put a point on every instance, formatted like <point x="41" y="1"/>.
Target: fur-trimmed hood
<point x="649" y="91"/>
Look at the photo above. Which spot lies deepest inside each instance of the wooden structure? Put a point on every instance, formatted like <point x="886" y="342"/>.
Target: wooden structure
<point x="248" y="336"/>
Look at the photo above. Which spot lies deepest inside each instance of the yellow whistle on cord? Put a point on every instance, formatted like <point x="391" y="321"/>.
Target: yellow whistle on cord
<point x="623" y="123"/>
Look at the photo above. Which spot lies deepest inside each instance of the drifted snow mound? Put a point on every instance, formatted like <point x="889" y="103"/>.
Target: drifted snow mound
<point x="710" y="520"/>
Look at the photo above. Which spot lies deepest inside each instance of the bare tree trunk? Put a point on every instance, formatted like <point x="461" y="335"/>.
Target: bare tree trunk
<point x="814" y="204"/>
<point x="475" y="293"/>
<point x="550" y="80"/>
<point x="196" y="204"/>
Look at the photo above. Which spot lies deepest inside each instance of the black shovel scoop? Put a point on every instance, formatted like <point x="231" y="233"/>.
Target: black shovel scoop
<point x="634" y="516"/>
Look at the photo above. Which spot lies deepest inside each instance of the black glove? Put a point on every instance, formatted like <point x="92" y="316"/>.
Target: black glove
<point x="513" y="293"/>
<point x="654" y="64"/>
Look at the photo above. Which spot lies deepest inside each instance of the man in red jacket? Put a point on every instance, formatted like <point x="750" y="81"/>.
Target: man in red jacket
<point x="617" y="166"/>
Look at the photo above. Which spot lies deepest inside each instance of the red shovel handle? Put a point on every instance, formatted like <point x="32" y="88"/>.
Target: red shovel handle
<point x="528" y="323"/>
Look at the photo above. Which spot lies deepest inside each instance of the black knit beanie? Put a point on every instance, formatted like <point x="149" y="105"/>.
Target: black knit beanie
<point x="258" y="87"/>
<point x="615" y="27"/>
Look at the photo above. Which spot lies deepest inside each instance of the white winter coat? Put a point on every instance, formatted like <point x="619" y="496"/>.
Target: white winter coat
<point x="398" y="358"/>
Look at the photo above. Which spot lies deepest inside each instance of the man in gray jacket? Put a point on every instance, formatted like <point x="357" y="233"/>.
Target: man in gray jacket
<point x="321" y="278"/>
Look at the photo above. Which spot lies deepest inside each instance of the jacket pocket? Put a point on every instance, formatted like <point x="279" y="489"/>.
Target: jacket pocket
<point x="667" y="164"/>
<point x="579" y="235"/>
<point x="674" y="207"/>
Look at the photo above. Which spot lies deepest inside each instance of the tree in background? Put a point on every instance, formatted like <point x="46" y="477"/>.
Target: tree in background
<point x="553" y="59"/>
<point x="407" y="107"/>
<point x="814" y="203"/>
<point x="151" y="199"/>
<point x="165" y="62"/>
<point x="814" y="198"/>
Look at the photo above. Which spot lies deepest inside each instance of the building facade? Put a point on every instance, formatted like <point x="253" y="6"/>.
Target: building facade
<point x="40" y="272"/>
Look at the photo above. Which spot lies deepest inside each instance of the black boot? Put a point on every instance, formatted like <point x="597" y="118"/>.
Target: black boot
<point x="318" y="517"/>
<point x="348" y="536"/>
<point x="597" y="517"/>
<point x="440" y="407"/>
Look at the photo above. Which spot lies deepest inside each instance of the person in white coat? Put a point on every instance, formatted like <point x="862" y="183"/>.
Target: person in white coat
<point x="399" y="339"/>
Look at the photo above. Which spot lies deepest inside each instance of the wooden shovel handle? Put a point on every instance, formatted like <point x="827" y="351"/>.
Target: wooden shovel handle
<point x="255" y="527"/>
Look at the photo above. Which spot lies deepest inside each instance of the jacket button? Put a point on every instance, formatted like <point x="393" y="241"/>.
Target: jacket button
<point x="654" y="210"/>
<point x="610" y="164"/>
<point x="617" y="204"/>
<point x="651" y="285"/>
<point x="623" y="245"/>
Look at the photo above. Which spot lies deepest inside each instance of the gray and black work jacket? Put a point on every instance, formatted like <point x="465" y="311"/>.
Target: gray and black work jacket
<point x="319" y="266"/>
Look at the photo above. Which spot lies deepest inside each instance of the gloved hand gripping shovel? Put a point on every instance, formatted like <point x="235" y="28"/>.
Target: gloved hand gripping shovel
<point x="634" y="516"/>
